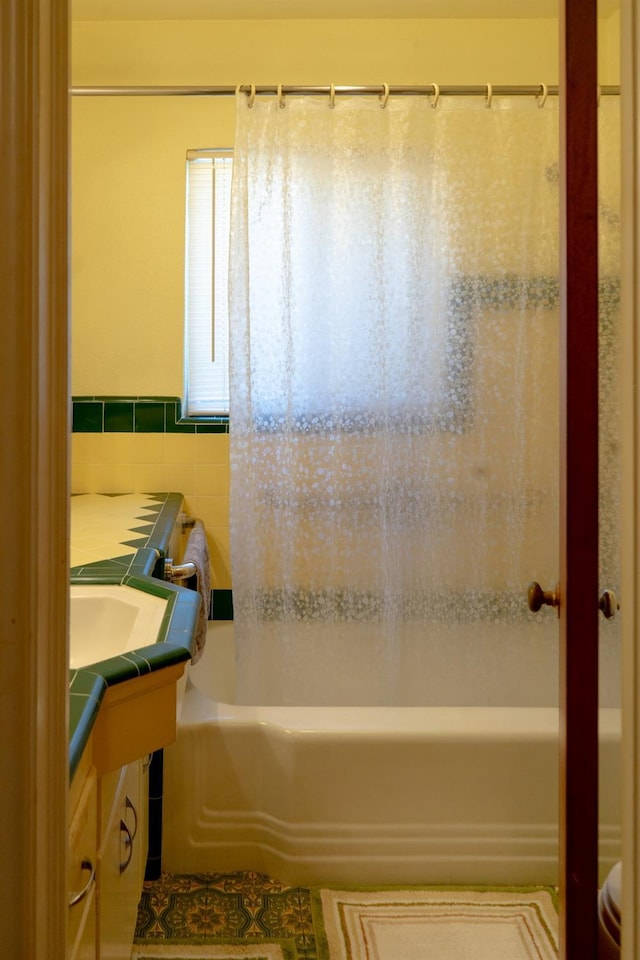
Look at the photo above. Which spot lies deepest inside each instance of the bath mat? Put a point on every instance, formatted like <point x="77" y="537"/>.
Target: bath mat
<point x="423" y="924"/>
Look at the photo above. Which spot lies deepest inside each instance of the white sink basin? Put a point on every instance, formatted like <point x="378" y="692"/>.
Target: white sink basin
<point x="108" y="620"/>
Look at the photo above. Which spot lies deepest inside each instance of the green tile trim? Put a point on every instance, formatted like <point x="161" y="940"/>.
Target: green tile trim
<point x="88" y="417"/>
<point x="118" y="417"/>
<point x="163" y="528"/>
<point x="135" y="543"/>
<point x="98" y="414"/>
<point x="146" y="563"/>
<point x="221" y="605"/>
<point x="175" y="637"/>
<point x="86" y="691"/>
<point x="103" y="571"/>
<point x="149" y="417"/>
<point x="213" y="428"/>
<point x="155" y="588"/>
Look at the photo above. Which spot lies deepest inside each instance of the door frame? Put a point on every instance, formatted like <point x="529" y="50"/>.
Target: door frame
<point x="578" y="586"/>
<point x="34" y="564"/>
<point x="630" y="127"/>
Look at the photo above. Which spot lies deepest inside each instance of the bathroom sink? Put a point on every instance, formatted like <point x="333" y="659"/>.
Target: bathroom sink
<point x="111" y="619"/>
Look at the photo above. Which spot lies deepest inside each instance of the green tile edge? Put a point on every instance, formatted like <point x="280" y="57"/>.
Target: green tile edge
<point x="86" y="690"/>
<point x="175" y="637"/>
<point x="221" y="605"/>
<point x="140" y="415"/>
<point x="174" y="644"/>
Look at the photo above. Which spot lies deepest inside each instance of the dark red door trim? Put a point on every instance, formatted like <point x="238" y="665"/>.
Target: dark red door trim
<point x="579" y="482"/>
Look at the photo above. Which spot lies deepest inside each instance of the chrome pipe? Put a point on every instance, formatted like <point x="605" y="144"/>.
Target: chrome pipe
<point x="404" y="90"/>
<point x="178" y="571"/>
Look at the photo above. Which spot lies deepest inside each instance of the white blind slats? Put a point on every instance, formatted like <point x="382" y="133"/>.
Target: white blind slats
<point x="206" y="282"/>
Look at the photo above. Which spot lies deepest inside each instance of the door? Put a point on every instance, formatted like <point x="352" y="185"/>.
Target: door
<point x="576" y="594"/>
<point x="121" y="859"/>
<point x="578" y="588"/>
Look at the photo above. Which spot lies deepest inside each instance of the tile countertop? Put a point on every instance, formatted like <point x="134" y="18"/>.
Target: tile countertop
<point x="124" y="539"/>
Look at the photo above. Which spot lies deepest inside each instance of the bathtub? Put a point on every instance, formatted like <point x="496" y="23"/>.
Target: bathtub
<point x="368" y="795"/>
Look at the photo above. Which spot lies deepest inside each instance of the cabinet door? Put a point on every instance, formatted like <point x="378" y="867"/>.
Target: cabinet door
<point x="122" y="848"/>
<point x="81" y="884"/>
<point x="86" y="943"/>
<point x="143" y="819"/>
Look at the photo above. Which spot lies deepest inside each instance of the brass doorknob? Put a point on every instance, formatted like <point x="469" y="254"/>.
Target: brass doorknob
<point x="537" y="597"/>
<point x="608" y="604"/>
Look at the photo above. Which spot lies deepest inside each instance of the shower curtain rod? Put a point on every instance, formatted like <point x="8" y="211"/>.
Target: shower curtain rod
<point x="430" y="89"/>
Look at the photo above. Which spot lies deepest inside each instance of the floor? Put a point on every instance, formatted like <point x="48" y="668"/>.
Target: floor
<point x="249" y="910"/>
<point x="227" y="907"/>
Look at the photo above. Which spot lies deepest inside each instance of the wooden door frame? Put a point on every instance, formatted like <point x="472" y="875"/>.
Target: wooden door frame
<point x="579" y="482"/>
<point x="630" y="127"/>
<point x="34" y="564"/>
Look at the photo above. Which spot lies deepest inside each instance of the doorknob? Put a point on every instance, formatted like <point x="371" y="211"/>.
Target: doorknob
<point x="608" y="604"/>
<point x="537" y="597"/>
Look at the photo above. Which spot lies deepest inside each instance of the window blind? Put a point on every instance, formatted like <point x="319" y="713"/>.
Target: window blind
<point x="206" y="282"/>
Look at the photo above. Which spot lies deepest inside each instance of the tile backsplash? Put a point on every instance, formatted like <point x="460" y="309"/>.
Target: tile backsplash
<point x="142" y="445"/>
<point x="139" y="415"/>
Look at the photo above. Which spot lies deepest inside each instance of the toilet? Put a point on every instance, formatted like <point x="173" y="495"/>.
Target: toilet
<point x="609" y="915"/>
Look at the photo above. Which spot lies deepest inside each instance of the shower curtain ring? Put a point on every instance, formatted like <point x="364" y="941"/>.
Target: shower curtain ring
<point x="436" y="95"/>
<point x="252" y="95"/>
<point x="384" y="96"/>
<point x="332" y="96"/>
<point x="281" y="102"/>
<point x="542" y="96"/>
<point x="489" y="96"/>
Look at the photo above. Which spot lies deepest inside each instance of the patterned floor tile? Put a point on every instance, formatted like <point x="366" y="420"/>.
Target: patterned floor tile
<point x="227" y="907"/>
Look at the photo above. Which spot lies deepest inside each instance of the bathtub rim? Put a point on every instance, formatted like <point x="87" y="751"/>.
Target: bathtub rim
<point x="474" y="723"/>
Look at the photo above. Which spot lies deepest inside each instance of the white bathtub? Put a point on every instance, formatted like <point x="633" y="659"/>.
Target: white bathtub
<point x="368" y="795"/>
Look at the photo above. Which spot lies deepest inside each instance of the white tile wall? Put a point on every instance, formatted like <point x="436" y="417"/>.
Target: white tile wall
<point x="195" y="465"/>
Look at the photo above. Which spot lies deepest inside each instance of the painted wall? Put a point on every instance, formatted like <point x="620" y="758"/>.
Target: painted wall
<point x="128" y="197"/>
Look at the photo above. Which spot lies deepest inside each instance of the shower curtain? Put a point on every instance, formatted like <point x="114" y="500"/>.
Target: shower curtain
<point x="393" y="424"/>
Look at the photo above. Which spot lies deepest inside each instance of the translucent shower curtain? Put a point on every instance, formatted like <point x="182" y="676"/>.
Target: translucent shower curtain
<point x="609" y="254"/>
<point x="394" y="329"/>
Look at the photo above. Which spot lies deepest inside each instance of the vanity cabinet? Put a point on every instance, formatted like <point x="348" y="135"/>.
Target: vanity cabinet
<point x="82" y="863"/>
<point x="121" y="857"/>
<point x="108" y="834"/>
<point x="109" y="793"/>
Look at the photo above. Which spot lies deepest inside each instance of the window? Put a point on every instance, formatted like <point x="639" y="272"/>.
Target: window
<point x="206" y="263"/>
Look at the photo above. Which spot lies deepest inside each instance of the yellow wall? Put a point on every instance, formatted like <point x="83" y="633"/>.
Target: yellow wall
<point x="609" y="49"/>
<point x="128" y="196"/>
<point x="316" y="51"/>
<point x="128" y="154"/>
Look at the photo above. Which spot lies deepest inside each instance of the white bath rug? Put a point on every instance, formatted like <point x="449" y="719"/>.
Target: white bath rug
<point x="438" y="925"/>
<point x="176" y="951"/>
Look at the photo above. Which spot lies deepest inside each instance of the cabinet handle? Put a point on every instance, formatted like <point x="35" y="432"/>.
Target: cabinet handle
<point x="128" y="803"/>
<point x="128" y="842"/>
<point x="78" y="897"/>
